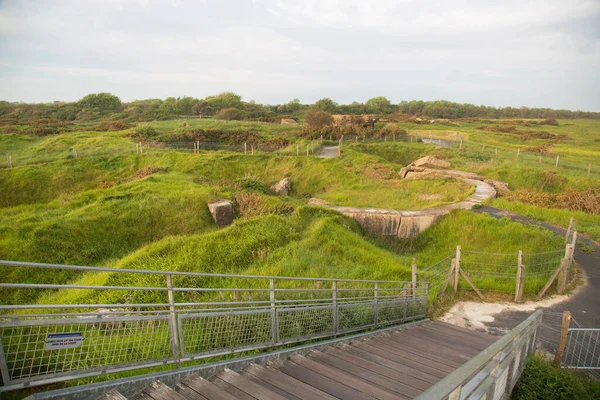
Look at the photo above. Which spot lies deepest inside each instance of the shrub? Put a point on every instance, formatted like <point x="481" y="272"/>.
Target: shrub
<point x="542" y="380"/>
<point x="549" y="121"/>
<point x="147" y="132"/>
<point x="230" y="114"/>
<point x="318" y="119"/>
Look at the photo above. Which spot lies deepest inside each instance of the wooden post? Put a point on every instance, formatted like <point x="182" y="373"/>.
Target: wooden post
<point x="414" y="277"/>
<point x="321" y="139"/>
<point x="75" y="152"/>
<point x="10" y="162"/>
<point x="457" y="268"/>
<point x="297" y="149"/>
<point x="564" y="332"/>
<point x="141" y="148"/>
<point x="520" y="278"/>
<point x="252" y="149"/>
<point x="557" y="158"/>
<point x="245" y="148"/>
<point x="589" y="168"/>
<point x="460" y="146"/>
<point x="518" y="152"/>
<point x="573" y="244"/>
<point x="356" y="139"/>
<point x="569" y="230"/>
<point x="385" y="139"/>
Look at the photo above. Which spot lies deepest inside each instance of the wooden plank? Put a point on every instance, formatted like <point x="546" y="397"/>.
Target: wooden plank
<point x="112" y="395"/>
<point x="411" y="356"/>
<point x="401" y="360"/>
<point x="229" y="388"/>
<point x="425" y="354"/>
<point x="272" y="388"/>
<point x="159" y="391"/>
<point x="246" y="385"/>
<point x="466" y="330"/>
<point x="286" y="382"/>
<point x="430" y="347"/>
<point x="344" y="378"/>
<point x="448" y="340"/>
<point x="434" y="343"/>
<point x="466" y="337"/>
<point x="391" y="364"/>
<point x="401" y="390"/>
<point x="141" y="396"/>
<point x="188" y="393"/>
<point x="379" y="369"/>
<point x="321" y="382"/>
<point x="206" y="388"/>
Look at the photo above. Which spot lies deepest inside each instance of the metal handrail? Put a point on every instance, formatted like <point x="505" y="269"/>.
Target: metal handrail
<point x="179" y="273"/>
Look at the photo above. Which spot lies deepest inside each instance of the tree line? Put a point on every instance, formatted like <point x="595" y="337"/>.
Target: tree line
<point x="230" y="106"/>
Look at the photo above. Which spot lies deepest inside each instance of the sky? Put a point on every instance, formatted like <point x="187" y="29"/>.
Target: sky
<point x="500" y="53"/>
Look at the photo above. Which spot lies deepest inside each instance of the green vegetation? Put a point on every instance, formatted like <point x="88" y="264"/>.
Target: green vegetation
<point x="544" y="381"/>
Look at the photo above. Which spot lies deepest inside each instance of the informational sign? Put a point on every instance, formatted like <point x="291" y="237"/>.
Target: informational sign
<point x="55" y="341"/>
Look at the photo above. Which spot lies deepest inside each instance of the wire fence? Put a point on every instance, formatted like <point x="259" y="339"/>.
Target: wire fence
<point x="179" y="317"/>
<point x="510" y="273"/>
<point x="525" y="154"/>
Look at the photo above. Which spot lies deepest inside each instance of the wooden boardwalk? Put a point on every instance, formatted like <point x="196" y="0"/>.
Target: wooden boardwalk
<point x="397" y="365"/>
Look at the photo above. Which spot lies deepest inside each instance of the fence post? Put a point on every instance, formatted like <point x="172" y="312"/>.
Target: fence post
<point x="245" y="148"/>
<point x="414" y="277"/>
<point x="456" y="268"/>
<point x="557" y="158"/>
<point x="10" y="162"/>
<point x="75" y="153"/>
<point x="141" y="148"/>
<point x="252" y="148"/>
<point x="274" y="322"/>
<point x="569" y="230"/>
<point x="589" y="168"/>
<point x="335" y="307"/>
<point x="321" y="139"/>
<point x="573" y="244"/>
<point x="376" y="305"/>
<point x="564" y="332"/>
<point x="297" y="149"/>
<point x="520" y="278"/>
<point x="173" y="319"/>
<point x="518" y="152"/>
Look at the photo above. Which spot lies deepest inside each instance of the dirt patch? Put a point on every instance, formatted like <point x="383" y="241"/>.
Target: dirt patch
<point x="475" y="315"/>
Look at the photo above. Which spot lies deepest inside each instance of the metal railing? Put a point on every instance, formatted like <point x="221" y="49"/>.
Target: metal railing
<point x="191" y="316"/>
<point x="582" y="350"/>
<point x="493" y="373"/>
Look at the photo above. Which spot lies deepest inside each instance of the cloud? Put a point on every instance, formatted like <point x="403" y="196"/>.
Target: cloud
<point x="538" y="53"/>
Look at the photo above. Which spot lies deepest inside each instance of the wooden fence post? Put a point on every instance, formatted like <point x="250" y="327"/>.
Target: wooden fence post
<point x="141" y="148"/>
<point x="10" y="162"/>
<point x="456" y="268"/>
<point x="589" y="168"/>
<point x="564" y="332"/>
<point x="460" y="146"/>
<point x="414" y="277"/>
<point x="520" y="278"/>
<point x="571" y="220"/>
<point x="297" y="149"/>
<point x="518" y="152"/>
<point x="557" y="158"/>
<point x="573" y="244"/>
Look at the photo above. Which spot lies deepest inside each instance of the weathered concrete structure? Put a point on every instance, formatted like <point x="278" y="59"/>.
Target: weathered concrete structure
<point x="222" y="212"/>
<point x="407" y="224"/>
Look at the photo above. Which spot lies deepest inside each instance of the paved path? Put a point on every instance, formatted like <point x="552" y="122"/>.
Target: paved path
<point x="328" y="152"/>
<point x="584" y="305"/>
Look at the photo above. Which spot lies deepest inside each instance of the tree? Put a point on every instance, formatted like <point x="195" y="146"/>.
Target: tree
<point x="102" y="102"/>
<point x="202" y="108"/>
<point x="317" y="119"/>
<point x="293" y="106"/>
<point x="230" y="114"/>
<point x="326" y="104"/>
<point x="169" y="107"/>
<point x="379" y="105"/>
<point x="225" y="100"/>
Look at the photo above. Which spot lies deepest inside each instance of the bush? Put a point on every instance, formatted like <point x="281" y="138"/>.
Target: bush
<point x="318" y="119"/>
<point x="147" y="132"/>
<point x="230" y="114"/>
<point x="542" y="380"/>
<point x="549" y="121"/>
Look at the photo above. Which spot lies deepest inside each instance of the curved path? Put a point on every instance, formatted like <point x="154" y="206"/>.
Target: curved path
<point x="584" y="303"/>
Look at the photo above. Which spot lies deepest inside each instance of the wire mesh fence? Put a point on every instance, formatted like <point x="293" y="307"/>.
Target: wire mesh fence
<point x="180" y="317"/>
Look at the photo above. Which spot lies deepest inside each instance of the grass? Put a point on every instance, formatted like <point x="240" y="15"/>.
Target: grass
<point x="543" y="380"/>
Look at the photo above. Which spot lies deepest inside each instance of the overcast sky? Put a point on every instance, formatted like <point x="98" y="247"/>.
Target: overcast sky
<point x="533" y="53"/>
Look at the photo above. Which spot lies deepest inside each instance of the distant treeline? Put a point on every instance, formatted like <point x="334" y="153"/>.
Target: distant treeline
<point x="229" y="105"/>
